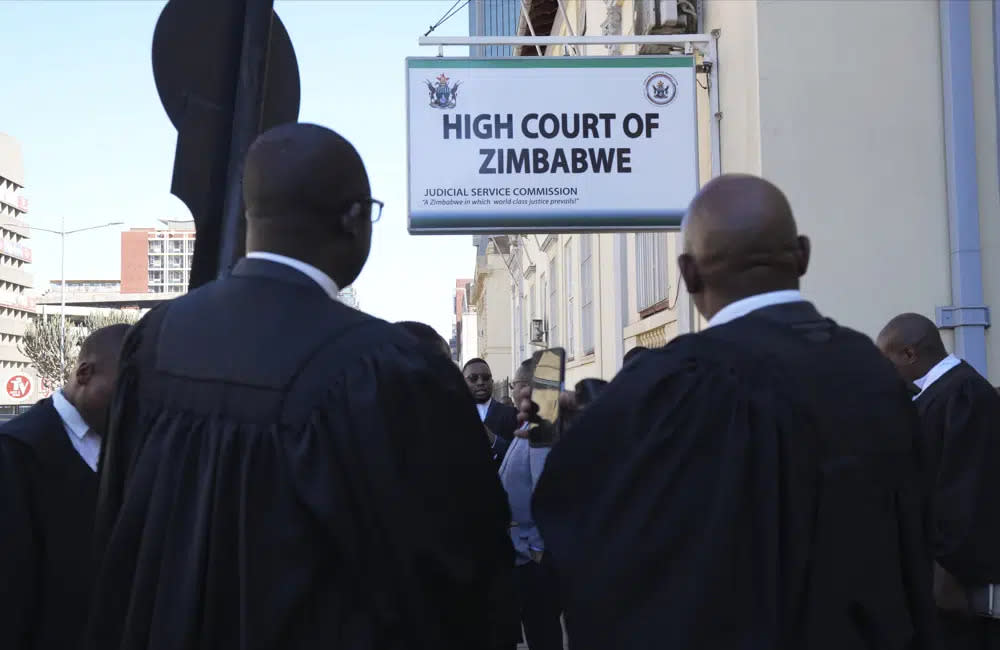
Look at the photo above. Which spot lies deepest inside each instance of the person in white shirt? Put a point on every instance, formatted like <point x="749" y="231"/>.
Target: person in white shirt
<point x="499" y="419"/>
<point x="48" y="496"/>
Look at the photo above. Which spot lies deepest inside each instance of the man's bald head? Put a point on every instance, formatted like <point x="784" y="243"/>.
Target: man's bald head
<point x="91" y="386"/>
<point x="913" y="343"/>
<point x="104" y="344"/>
<point x="740" y="239"/>
<point x="306" y="192"/>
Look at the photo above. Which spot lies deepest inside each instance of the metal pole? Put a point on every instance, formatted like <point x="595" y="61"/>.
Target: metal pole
<point x="967" y="314"/>
<point x="686" y="40"/>
<point x="247" y="113"/>
<point x="62" y="298"/>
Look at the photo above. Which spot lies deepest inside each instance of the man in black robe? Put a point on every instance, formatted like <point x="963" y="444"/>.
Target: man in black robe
<point x="960" y="420"/>
<point x="48" y="491"/>
<point x="284" y="471"/>
<point x="750" y="486"/>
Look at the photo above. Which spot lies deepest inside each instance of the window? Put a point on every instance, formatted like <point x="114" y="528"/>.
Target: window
<point x="553" y="303"/>
<point x="586" y="294"/>
<point x="530" y="311"/>
<point x="543" y="309"/>
<point x="570" y="306"/>
<point x="651" y="270"/>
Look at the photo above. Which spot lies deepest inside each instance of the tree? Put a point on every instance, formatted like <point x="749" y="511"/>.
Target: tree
<point x="42" y="341"/>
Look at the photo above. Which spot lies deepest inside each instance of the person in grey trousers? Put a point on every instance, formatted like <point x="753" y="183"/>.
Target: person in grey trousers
<point x="535" y="582"/>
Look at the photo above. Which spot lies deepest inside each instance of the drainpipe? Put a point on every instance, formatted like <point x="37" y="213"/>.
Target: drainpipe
<point x="968" y="316"/>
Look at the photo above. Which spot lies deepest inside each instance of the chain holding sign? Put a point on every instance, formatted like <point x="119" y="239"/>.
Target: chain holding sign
<point x="550" y="145"/>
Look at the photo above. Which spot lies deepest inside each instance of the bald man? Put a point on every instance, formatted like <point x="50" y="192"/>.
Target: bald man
<point x="48" y="492"/>
<point x="284" y="471"/>
<point x="960" y="422"/>
<point x="753" y="485"/>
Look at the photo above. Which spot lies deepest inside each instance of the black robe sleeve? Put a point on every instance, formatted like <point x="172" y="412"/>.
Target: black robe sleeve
<point x="689" y="502"/>
<point x="20" y="548"/>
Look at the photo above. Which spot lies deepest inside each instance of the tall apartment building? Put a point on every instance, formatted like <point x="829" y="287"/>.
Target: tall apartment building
<point x="493" y="18"/>
<point x="157" y="260"/>
<point x="18" y="382"/>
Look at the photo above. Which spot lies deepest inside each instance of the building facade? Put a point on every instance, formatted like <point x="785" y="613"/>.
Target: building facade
<point x="894" y="178"/>
<point x="349" y="297"/>
<point x="19" y="385"/>
<point x="463" y="331"/>
<point x="157" y="260"/>
<point x="493" y="18"/>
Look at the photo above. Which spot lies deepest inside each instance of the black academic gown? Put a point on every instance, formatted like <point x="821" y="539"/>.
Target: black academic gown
<point x="285" y="472"/>
<point x="47" y="500"/>
<point x="960" y="420"/>
<point x="753" y="486"/>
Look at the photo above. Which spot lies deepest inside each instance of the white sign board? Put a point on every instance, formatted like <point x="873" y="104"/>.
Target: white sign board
<point x="550" y="144"/>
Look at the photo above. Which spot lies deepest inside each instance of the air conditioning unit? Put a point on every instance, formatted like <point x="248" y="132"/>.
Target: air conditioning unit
<point x="537" y="333"/>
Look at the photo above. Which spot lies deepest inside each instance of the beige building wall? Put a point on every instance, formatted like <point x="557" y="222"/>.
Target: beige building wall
<point x="847" y="116"/>
<point x="492" y="304"/>
<point x="988" y="176"/>
<point x="840" y="104"/>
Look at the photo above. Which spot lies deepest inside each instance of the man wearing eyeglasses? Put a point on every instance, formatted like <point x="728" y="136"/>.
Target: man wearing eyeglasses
<point x="268" y="480"/>
<point x="499" y="419"/>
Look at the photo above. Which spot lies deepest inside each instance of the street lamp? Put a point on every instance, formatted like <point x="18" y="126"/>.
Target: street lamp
<point x="62" y="232"/>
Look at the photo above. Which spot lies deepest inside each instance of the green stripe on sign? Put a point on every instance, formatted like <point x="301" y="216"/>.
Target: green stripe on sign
<point x="557" y="62"/>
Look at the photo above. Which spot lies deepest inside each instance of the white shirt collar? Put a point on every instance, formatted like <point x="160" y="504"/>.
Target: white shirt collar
<point x="69" y="415"/>
<point x="741" y="308"/>
<point x="322" y="279"/>
<point x="484" y="408"/>
<point x="939" y="370"/>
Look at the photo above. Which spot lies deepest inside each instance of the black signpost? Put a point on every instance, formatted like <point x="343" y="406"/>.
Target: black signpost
<point x="225" y="71"/>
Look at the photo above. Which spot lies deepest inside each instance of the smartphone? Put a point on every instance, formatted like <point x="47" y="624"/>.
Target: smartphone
<point x="548" y="382"/>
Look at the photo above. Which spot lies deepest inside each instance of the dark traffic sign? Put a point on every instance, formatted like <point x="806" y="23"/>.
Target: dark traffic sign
<point x="225" y="71"/>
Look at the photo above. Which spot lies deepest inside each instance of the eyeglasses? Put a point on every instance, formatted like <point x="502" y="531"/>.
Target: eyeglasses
<point x="474" y="378"/>
<point x="374" y="207"/>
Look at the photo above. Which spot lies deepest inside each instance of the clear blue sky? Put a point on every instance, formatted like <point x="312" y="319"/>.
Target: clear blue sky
<point x="78" y="94"/>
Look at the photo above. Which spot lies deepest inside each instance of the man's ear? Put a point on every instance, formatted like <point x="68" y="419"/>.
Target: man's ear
<point x="84" y="372"/>
<point x="805" y="251"/>
<point x="350" y="221"/>
<point x="689" y="271"/>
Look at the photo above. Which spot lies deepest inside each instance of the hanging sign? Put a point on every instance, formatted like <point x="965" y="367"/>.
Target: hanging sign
<point x="550" y="144"/>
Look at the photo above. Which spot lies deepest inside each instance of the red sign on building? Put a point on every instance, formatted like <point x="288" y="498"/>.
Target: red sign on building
<point x="19" y="387"/>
